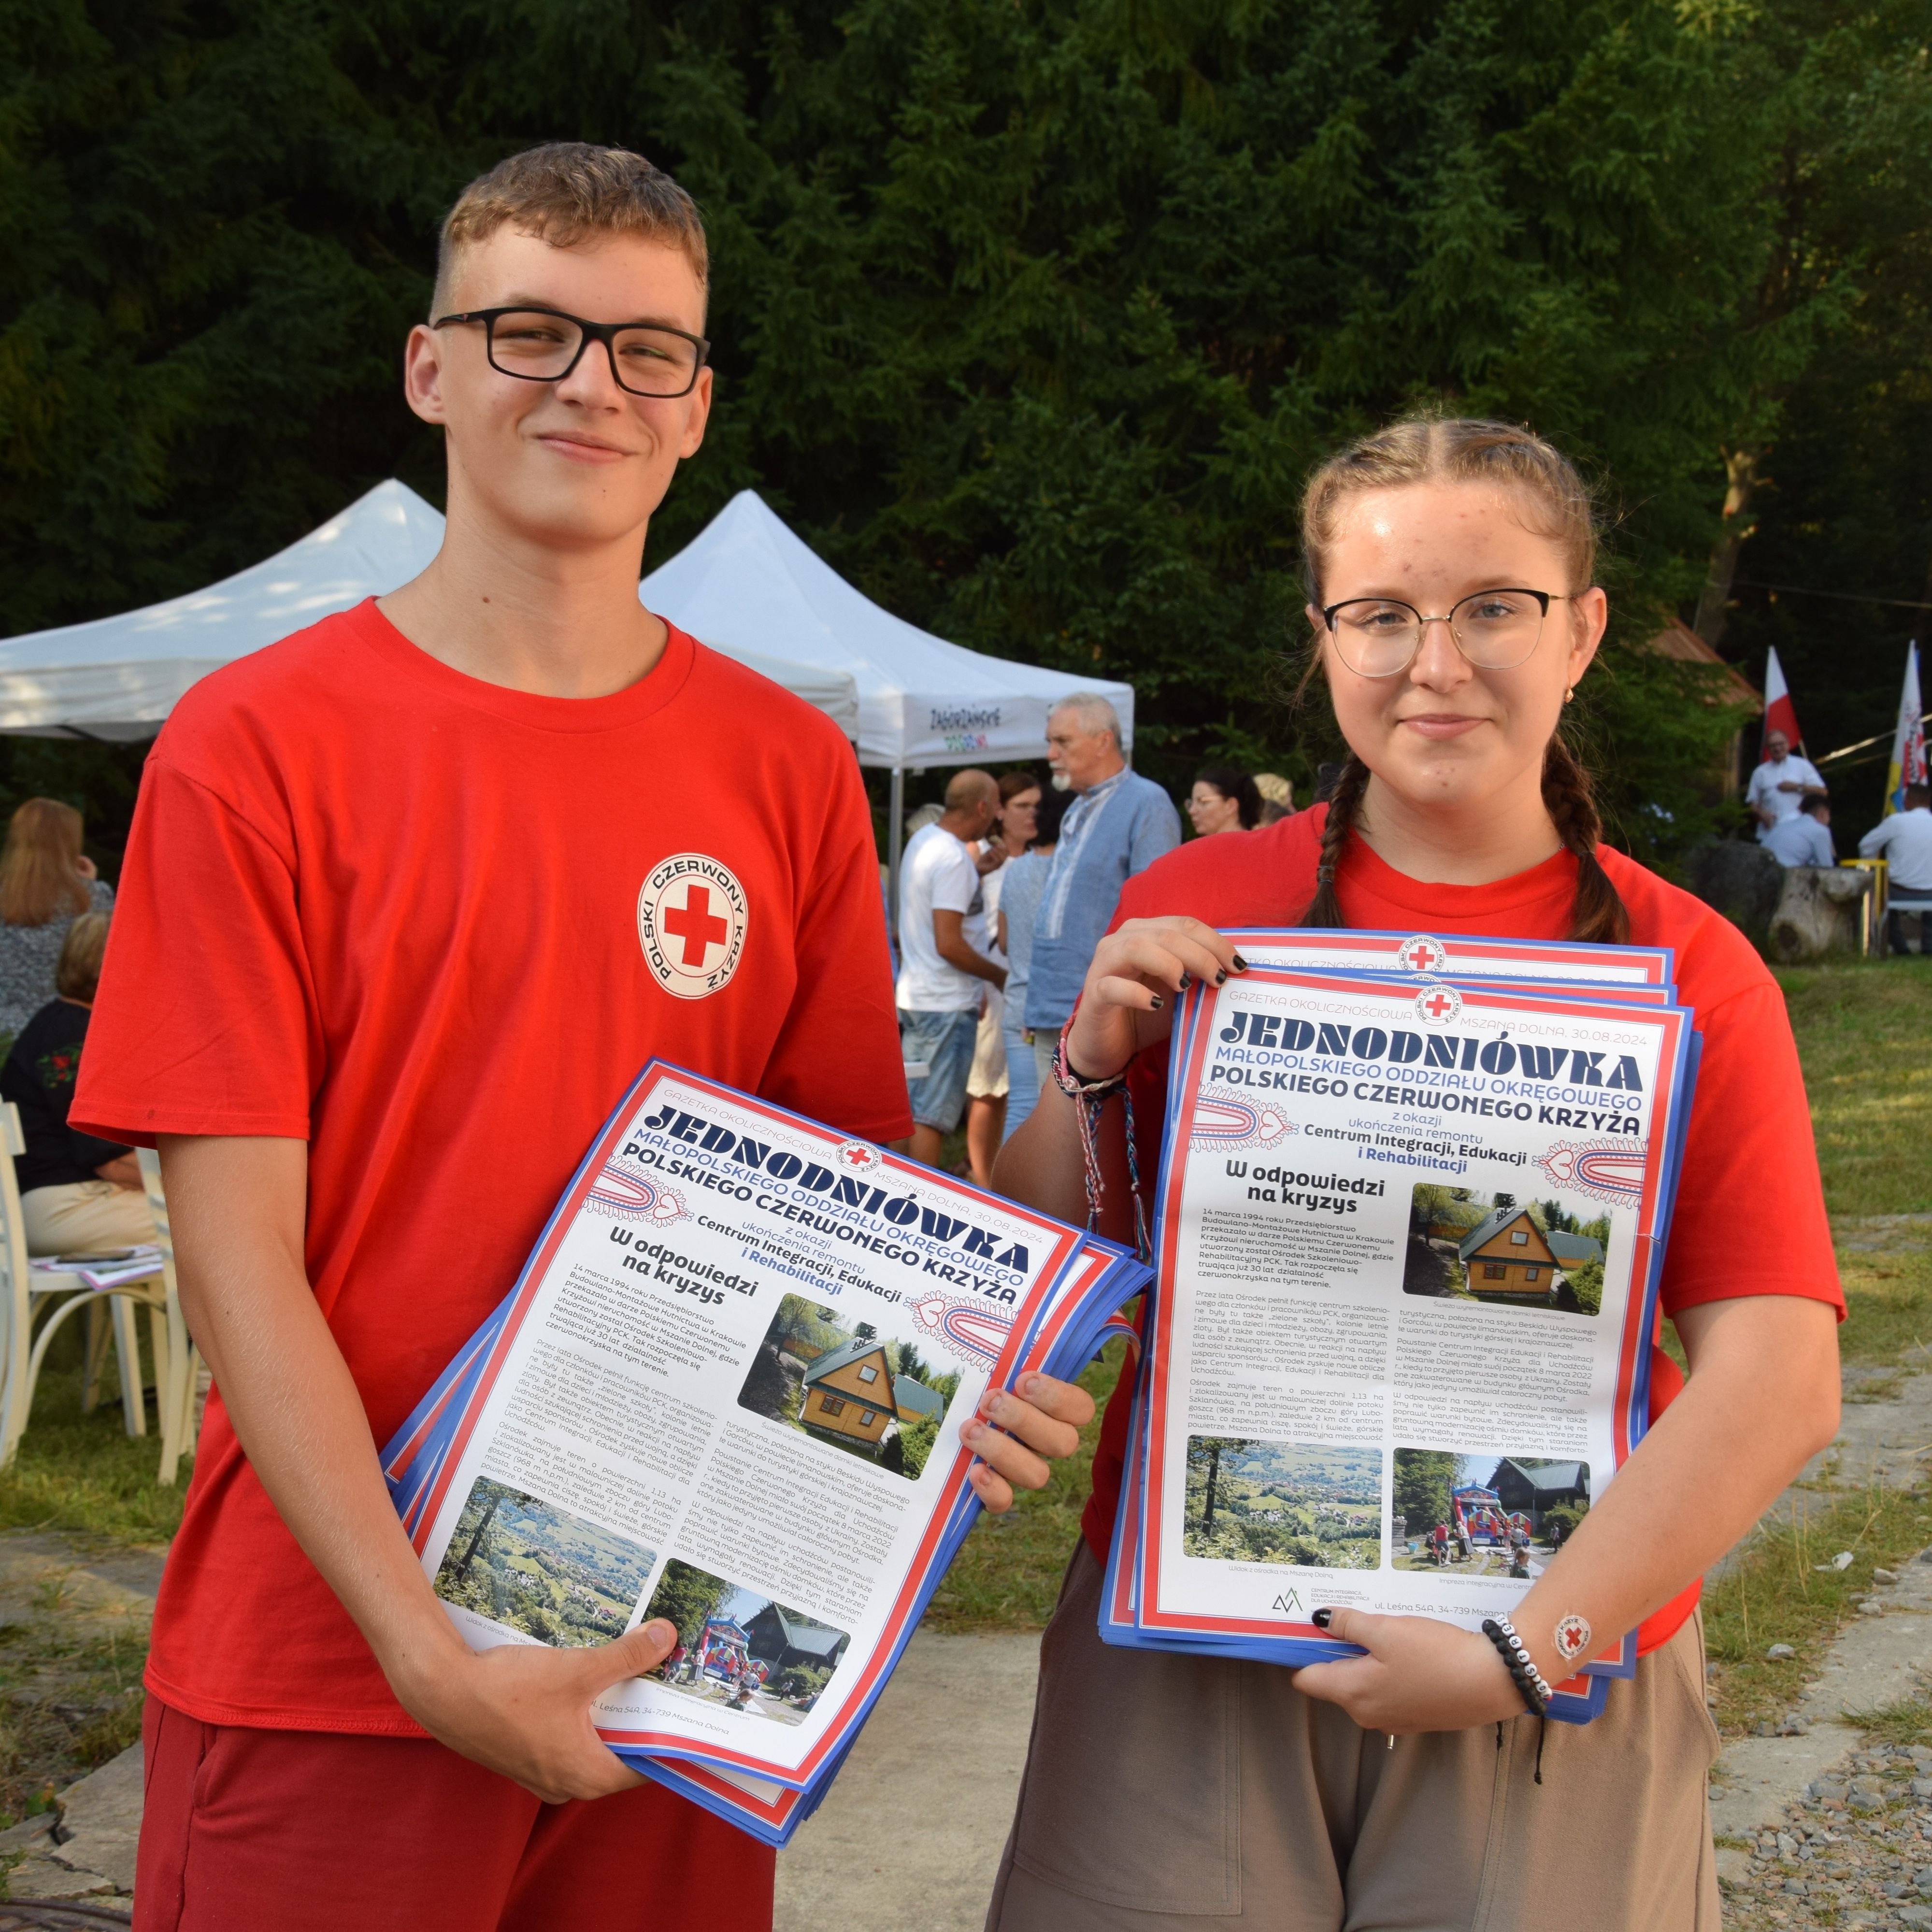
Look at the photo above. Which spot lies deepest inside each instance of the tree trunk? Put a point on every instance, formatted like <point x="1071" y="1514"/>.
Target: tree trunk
<point x="1213" y="1477"/>
<point x="1818" y="914"/>
<point x="1740" y="479"/>
<point x="469" y="1555"/>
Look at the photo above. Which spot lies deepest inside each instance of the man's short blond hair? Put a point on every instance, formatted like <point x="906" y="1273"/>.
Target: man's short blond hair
<point x="565" y="191"/>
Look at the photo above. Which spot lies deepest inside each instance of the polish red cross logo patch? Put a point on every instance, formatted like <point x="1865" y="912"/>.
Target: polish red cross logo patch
<point x="691" y="924"/>
<point x="1423" y="955"/>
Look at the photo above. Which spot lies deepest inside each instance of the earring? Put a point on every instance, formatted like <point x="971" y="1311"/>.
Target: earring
<point x="1570" y="694"/>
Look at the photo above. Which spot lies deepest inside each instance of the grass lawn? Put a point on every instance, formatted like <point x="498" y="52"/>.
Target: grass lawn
<point x="83" y="1475"/>
<point x="70" y="1685"/>
<point x="1006" y="1576"/>
<point x="1784" y="1589"/>
<point x="1863" y="1034"/>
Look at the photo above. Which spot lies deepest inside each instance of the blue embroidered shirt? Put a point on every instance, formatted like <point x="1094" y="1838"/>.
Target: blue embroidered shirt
<point x="1118" y="828"/>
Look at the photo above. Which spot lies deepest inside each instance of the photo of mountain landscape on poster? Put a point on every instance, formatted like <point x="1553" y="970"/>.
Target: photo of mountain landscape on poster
<point x="534" y="1567"/>
<point x="850" y="1384"/>
<point x="1282" y="1502"/>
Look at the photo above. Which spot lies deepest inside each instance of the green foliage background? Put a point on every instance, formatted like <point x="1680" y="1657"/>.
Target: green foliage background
<point x="1423" y="1478"/>
<point x="1030" y="314"/>
<point x="686" y="1596"/>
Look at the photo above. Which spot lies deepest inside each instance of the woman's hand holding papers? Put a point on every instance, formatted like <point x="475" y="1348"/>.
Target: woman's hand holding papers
<point x="1421" y="1674"/>
<point x="1016" y="1433"/>
<point x="1127" y="1002"/>
<point x="1762" y="1397"/>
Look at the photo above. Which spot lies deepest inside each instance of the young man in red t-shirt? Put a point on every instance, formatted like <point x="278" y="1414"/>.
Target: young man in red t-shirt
<point x="411" y="897"/>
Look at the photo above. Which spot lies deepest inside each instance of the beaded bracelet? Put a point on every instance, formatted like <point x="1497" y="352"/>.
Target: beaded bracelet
<point x="1529" y="1681"/>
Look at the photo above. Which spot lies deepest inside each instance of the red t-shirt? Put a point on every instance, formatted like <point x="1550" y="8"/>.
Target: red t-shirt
<point x="1750" y="1138"/>
<point x="434" y="927"/>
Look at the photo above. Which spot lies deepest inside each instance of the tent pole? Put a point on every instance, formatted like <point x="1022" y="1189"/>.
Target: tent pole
<point x="895" y="838"/>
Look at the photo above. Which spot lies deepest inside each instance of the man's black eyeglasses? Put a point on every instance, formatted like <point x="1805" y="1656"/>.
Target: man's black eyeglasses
<point x="543" y="345"/>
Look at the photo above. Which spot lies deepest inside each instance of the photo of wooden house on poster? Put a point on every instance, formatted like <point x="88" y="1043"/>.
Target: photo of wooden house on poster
<point x="854" y="1392"/>
<point x="1506" y="1249"/>
<point x="849" y="1383"/>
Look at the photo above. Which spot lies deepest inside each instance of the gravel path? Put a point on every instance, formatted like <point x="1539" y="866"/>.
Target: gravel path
<point x="1858" y="1845"/>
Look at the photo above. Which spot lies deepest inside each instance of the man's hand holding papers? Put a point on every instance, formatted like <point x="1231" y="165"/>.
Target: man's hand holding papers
<point x="1039" y="1412"/>
<point x="524" y="1709"/>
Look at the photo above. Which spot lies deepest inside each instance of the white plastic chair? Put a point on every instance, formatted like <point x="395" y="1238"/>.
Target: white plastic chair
<point x="177" y="1388"/>
<point x="30" y="1290"/>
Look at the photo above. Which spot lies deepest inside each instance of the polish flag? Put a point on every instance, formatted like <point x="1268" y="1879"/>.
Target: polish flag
<point x="1908" y="743"/>
<point x="1780" y="714"/>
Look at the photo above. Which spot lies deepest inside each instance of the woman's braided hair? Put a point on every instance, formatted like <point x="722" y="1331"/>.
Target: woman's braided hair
<point x="1558" y="506"/>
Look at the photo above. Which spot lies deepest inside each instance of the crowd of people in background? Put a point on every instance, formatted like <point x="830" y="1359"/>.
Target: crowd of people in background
<point x="1004" y="892"/>
<point x="1007" y="888"/>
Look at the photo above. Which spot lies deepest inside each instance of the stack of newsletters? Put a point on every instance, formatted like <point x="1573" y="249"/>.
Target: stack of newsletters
<point x="1411" y="1218"/>
<point x="104" y="1271"/>
<point x="727" y="1390"/>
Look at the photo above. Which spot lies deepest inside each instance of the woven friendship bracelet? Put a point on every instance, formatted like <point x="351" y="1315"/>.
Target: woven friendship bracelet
<point x="1511" y="1648"/>
<point x="1088" y="1097"/>
<point x="1072" y="1084"/>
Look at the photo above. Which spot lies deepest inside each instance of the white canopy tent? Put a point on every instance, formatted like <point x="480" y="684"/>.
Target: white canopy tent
<point x="746" y="581"/>
<point x="118" y="678"/>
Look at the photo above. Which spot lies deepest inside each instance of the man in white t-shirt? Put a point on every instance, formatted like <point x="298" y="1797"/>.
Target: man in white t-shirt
<point x="1779" y="783"/>
<point x="1904" y="841"/>
<point x="942" y="947"/>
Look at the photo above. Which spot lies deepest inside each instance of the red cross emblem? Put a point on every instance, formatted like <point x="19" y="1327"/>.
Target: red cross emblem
<point x="1439" y="1003"/>
<point x="1421" y="955"/>
<point x="690" y="923"/>
<point x="695" y="924"/>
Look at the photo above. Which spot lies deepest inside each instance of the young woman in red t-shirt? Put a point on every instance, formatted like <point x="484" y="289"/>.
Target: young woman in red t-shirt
<point x="1397" y="1788"/>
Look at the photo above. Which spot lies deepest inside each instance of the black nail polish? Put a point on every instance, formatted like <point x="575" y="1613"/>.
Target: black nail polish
<point x="1321" y="1619"/>
<point x="1220" y="979"/>
<point x="1240" y="964"/>
<point x="1155" y="1000"/>
<point x="1182" y="987"/>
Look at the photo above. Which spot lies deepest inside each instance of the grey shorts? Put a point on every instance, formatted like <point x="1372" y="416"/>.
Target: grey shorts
<point x="943" y="1043"/>
<point x="1165" y="1791"/>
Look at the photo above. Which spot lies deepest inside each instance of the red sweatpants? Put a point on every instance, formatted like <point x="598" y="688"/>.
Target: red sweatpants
<point x="310" y="1831"/>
